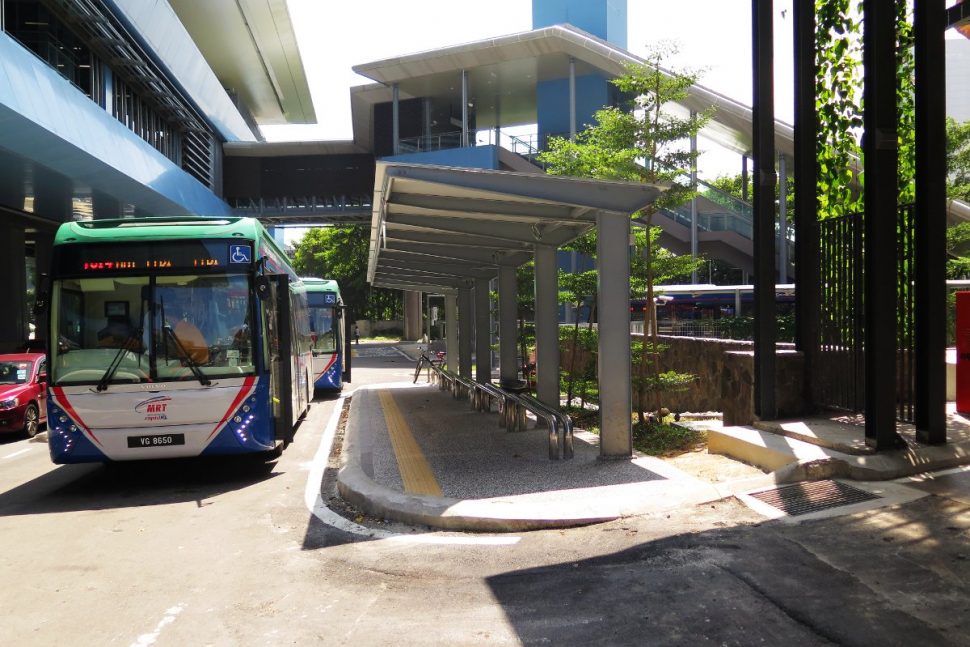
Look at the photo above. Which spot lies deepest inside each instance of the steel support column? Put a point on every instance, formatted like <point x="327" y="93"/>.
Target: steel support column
<point x="465" y="317"/>
<point x="763" y="146"/>
<point x="782" y="219"/>
<point x="507" y="313"/>
<point x="613" y="313"/>
<point x="929" y="24"/>
<point x="483" y="351"/>
<point x="744" y="178"/>
<point x="412" y="315"/>
<point x="13" y="323"/>
<point x="693" y="201"/>
<point x="881" y="156"/>
<point x="547" y="325"/>
<point x="464" y="107"/>
<point x="427" y="306"/>
<point x="395" y="119"/>
<point x="806" y="207"/>
<point x="572" y="99"/>
<point x="451" y="332"/>
<point x="43" y="246"/>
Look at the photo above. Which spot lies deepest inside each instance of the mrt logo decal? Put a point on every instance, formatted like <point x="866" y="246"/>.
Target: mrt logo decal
<point x="154" y="408"/>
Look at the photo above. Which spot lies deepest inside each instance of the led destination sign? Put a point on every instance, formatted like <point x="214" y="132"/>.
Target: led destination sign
<point x="194" y="256"/>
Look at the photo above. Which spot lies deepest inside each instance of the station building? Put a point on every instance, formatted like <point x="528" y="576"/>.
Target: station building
<point x="122" y="108"/>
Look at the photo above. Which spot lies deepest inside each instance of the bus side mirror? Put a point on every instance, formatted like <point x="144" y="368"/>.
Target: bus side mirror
<point x="262" y="286"/>
<point x="42" y="296"/>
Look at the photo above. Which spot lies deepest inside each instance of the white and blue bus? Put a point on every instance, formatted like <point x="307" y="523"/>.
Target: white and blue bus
<point x="173" y="337"/>
<point x="328" y="330"/>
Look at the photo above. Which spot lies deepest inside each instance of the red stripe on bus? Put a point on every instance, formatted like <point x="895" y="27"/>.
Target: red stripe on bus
<point x="333" y="358"/>
<point x="244" y="391"/>
<point x="62" y="400"/>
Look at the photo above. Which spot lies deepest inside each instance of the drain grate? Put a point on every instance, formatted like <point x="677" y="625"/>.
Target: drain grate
<point x="803" y="498"/>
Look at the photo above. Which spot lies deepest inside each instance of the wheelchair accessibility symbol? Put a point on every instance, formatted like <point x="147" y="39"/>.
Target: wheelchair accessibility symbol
<point x="240" y="254"/>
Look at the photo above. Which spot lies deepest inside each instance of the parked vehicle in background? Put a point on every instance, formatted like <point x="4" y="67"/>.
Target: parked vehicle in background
<point x="23" y="393"/>
<point x="328" y="330"/>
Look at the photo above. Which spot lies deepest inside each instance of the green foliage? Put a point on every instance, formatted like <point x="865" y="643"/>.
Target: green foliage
<point x="742" y="327"/>
<point x="957" y="246"/>
<point x="958" y="159"/>
<point x="638" y="141"/>
<point x="664" y="439"/>
<point x="838" y="104"/>
<point x="664" y="265"/>
<point x="838" y="101"/>
<point x="340" y="253"/>
<point x="641" y="142"/>
<point x="905" y="102"/>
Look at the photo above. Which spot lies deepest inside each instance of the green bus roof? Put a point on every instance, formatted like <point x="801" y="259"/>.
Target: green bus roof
<point x="167" y="228"/>
<point x="314" y="284"/>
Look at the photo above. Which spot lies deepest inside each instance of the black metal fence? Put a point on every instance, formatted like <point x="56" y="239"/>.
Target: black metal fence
<point x="839" y="378"/>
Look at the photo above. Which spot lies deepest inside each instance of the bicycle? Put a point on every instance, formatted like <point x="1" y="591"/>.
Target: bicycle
<point x="424" y="360"/>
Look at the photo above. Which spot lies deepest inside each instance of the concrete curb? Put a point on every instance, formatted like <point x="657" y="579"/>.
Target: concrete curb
<point x="478" y="515"/>
<point x="792" y="460"/>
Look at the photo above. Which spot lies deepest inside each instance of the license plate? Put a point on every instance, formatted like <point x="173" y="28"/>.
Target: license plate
<point x="161" y="440"/>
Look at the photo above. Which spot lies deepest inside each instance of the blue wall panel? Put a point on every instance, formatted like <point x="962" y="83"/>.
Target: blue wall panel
<point x="604" y="19"/>
<point x="552" y="103"/>
<point x="47" y="122"/>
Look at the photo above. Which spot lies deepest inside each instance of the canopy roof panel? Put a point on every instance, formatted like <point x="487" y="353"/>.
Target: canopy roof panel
<point x="504" y="71"/>
<point x="436" y="228"/>
<point x="254" y="53"/>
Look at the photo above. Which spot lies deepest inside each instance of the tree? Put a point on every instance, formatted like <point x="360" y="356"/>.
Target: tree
<point x="639" y="142"/>
<point x="958" y="159"/>
<point x="340" y="254"/>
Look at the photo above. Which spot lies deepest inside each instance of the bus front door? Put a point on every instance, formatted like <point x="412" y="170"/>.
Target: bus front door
<point x="275" y="298"/>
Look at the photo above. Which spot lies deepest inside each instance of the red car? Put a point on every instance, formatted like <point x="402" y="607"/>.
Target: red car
<point x="23" y="392"/>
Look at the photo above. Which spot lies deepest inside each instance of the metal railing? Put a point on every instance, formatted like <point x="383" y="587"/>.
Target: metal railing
<point x="512" y="409"/>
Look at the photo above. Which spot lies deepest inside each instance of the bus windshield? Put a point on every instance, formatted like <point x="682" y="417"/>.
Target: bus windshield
<point x="133" y="329"/>
<point x="323" y="322"/>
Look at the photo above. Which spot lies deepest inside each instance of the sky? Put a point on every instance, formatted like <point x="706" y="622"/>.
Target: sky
<point x="713" y="36"/>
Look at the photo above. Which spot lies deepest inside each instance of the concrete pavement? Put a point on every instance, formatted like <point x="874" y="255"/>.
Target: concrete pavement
<point x="414" y="454"/>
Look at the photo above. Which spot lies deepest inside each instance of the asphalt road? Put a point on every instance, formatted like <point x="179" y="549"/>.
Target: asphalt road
<point x="229" y="552"/>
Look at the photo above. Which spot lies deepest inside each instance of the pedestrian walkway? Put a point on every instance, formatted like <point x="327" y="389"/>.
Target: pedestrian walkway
<point x="413" y="453"/>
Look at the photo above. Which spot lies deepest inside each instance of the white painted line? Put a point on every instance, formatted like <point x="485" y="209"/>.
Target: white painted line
<point x="149" y="639"/>
<point x="314" y="500"/>
<point x="22" y="451"/>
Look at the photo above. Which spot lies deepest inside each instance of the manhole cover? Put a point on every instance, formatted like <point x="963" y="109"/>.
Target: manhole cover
<point x="803" y="498"/>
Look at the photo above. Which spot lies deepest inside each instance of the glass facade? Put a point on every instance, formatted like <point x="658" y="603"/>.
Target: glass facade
<point x="115" y="87"/>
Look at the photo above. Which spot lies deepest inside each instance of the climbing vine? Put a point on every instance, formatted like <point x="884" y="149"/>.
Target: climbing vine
<point x="838" y="103"/>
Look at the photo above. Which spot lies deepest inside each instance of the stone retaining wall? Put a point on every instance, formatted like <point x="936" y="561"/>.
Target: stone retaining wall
<point x="724" y="377"/>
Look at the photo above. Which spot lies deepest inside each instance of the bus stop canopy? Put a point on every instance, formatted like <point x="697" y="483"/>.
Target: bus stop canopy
<point x="436" y="229"/>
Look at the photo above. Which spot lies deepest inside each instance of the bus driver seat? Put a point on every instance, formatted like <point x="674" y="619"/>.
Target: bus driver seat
<point x="192" y="340"/>
<point x="116" y="332"/>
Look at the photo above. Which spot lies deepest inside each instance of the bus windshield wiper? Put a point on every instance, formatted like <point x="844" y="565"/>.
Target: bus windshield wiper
<point x="191" y="363"/>
<point x="127" y="345"/>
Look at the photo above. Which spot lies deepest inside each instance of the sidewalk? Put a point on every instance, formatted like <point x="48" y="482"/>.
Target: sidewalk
<point x="414" y="454"/>
<point x="492" y="480"/>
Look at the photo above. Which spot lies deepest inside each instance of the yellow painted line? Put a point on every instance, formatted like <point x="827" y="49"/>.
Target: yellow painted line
<point x="411" y="463"/>
<point x="353" y="353"/>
